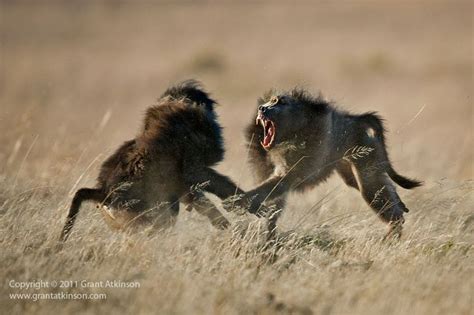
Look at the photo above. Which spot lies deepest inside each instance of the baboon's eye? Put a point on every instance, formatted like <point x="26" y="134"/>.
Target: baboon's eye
<point x="273" y="100"/>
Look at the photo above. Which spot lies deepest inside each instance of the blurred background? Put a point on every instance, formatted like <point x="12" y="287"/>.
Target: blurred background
<point x="76" y="77"/>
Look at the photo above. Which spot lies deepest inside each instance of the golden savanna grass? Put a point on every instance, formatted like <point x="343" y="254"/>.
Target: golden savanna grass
<point x="75" y="79"/>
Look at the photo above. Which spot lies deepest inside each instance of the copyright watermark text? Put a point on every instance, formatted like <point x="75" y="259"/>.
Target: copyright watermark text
<point x="42" y="284"/>
<point x="57" y="296"/>
<point x="36" y="290"/>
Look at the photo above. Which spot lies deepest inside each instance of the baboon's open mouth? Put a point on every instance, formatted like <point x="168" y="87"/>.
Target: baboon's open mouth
<point x="268" y="131"/>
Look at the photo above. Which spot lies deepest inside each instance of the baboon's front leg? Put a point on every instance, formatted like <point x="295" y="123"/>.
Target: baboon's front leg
<point x="213" y="182"/>
<point x="81" y="195"/>
<point x="379" y="192"/>
<point x="252" y="200"/>
<point x="205" y="207"/>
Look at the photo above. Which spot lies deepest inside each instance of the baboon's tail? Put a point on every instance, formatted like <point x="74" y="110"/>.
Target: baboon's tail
<point x="403" y="181"/>
<point x="83" y="194"/>
<point x="373" y="120"/>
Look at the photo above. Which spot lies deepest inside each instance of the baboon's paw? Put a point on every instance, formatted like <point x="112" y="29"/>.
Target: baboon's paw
<point x="236" y="204"/>
<point x="264" y="211"/>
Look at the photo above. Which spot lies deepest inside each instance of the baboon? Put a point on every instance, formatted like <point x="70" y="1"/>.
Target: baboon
<point x="168" y="161"/>
<point x="298" y="140"/>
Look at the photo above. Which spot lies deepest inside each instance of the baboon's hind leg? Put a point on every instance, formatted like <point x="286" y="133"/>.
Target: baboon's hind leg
<point x="344" y="170"/>
<point x="83" y="194"/>
<point x="379" y="192"/>
<point x="206" y="208"/>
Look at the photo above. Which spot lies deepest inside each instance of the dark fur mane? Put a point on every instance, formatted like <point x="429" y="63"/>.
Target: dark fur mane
<point x="192" y="91"/>
<point x="178" y="99"/>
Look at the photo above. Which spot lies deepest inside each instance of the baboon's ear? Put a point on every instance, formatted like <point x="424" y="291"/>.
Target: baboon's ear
<point x="266" y="97"/>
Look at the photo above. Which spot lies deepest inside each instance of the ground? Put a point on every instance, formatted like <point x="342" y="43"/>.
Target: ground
<point x="75" y="80"/>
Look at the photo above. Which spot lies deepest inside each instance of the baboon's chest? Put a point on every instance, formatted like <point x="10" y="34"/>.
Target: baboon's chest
<point x="287" y="156"/>
<point x="307" y="164"/>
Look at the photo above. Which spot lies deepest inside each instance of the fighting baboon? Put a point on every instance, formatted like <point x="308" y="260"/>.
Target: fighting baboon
<point x="298" y="140"/>
<point x="169" y="161"/>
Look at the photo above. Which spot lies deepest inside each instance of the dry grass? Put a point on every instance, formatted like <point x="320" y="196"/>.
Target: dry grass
<point x="75" y="80"/>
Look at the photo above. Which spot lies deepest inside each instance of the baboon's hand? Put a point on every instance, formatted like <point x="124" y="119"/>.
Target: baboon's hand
<point x="244" y="203"/>
<point x="263" y="211"/>
<point x="237" y="203"/>
<point x="257" y="207"/>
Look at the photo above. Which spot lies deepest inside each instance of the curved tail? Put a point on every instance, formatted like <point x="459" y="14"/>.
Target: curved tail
<point x="373" y="120"/>
<point x="403" y="181"/>
<point x="83" y="194"/>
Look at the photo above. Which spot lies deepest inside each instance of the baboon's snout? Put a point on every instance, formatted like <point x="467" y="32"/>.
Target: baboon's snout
<point x="261" y="109"/>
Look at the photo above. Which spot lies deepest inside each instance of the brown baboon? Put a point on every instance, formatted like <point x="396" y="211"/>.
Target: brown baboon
<point x="169" y="161"/>
<point x="297" y="141"/>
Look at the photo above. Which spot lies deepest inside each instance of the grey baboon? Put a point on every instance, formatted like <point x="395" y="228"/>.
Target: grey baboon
<point x="297" y="141"/>
<point x="169" y="161"/>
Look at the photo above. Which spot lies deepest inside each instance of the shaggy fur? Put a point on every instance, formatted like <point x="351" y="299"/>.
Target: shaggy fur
<point x="169" y="161"/>
<point x="311" y="140"/>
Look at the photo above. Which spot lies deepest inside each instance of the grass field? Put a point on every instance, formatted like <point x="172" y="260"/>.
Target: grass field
<point x="75" y="80"/>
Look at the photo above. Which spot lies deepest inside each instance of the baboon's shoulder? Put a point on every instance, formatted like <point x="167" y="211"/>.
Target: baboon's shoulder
<point x="185" y="130"/>
<point x="183" y="110"/>
<point x="176" y="119"/>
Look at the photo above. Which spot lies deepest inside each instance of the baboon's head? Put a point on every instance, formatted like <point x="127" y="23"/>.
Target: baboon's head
<point x="192" y="91"/>
<point x="284" y="115"/>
